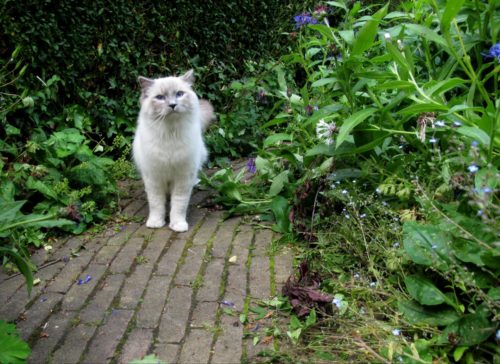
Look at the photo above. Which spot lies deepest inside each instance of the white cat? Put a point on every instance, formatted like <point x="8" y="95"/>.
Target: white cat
<point x="168" y="145"/>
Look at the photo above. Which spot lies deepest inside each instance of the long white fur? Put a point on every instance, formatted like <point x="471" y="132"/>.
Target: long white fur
<point x="168" y="147"/>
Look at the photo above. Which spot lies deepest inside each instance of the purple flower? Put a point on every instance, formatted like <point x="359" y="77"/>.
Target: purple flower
<point x="88" y="278"/>
<point x="494" y="52"/>
<point x="304" y="19"/>
<point x="251" y="167"/>
<point x="228" y="303"/>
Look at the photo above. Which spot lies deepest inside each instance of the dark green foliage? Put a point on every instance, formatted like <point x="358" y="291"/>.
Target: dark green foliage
<point x="99" y="48"/>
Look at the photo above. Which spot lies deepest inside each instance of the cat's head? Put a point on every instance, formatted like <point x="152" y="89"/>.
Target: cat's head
<point x="169" y="95"/>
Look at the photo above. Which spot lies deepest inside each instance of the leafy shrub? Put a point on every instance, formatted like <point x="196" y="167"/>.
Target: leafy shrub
<point x="13" y="349"/>
<point x="403" y="102"/>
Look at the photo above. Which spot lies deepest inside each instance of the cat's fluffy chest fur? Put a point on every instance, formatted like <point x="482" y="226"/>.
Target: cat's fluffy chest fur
<point x="168" y="146"/>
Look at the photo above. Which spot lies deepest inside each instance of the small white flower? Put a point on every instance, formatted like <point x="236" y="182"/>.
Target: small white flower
<point x="433" y="140"/>
<point x="473" y="168"/>
<point x="345" y="192"/>
<point x="373" y="284"/>
<point x="396" y="332"/>
<point x="362" y="216"/>
<point x="400" y="45"/>
<point x="395" y="245"/>
<point x="325" y="131"/>
<point x="387" y="36"/>
<point x="337" y="302"/>
<point x="440" y="123"/>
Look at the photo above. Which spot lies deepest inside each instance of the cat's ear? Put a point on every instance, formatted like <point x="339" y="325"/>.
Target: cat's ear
<point x="145" y="83"/>
<point x="188" y="77"/>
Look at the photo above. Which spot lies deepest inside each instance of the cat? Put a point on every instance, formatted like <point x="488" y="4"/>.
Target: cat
<point x="168" y="147"/>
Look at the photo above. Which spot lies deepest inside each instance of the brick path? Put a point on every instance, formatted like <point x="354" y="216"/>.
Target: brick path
<point x="150" y="291"/>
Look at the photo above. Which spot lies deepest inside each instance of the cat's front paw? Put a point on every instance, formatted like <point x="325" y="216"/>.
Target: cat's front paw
<point x="155" y="222"/>
<point x="179" y="226"/>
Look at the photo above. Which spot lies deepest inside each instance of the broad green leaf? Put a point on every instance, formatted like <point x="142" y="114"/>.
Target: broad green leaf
<point x="426" y="244"/>
<point x="468" y="251"/>
<point x="424" y="291"/>
<point x="337" y="4"/>
<point x="351" y="122"/>
<point x="366" y="35"/>
<point x="22" y="264"/>
<point x="9" y="211"/>
<point x="278" y="183"/>
<point x="395" y="85"/>
<point x="443" y="86"/>
<point x="459" y="352"/>
<point x="475" y="134"/>
<point x="275" y="138"/>
<point x="471" y="329"/>
<point x="420" y="108"/>
<point x="427" y="33"/>
<point x="417" y="314"/>
<point x="281" y="209"/>
<point x="400" y="60"/>
<point x="324" y="81"/>
<point x="450" y="11"/>
<point x="12" y="348"/>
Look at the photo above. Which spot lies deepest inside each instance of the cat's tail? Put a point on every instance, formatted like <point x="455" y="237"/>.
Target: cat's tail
<point x="207" y="114"/>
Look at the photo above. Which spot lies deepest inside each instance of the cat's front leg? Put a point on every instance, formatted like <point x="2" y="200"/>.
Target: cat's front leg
<point x="179" y="201"/>
<point x="157" y="197"/>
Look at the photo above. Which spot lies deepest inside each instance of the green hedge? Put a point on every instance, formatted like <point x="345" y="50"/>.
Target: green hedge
<point x="98" y="48"/>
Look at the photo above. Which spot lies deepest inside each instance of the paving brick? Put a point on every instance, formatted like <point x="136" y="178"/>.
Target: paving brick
<point x="260" y="279"/>
<point x="122" y="236"/>
<point x="96" y="309"/>
<point x="199" y="197"/>
<point x="207" y="229"/>
<point x="38" y="313"/>
<point x="108" y="336"/>
<point x="68" y="275"/>
<point x="283" y="267"/>
<point x="74" y="345"/>
<point x="153" y="302"/>
<point x="204" y="314"/>
<point x="192" y="263"/>
<point x="194" y="217"/>
<point x="168" y="262"/>
<point x="132" y="208"/>
<point x="75" y="298"/>
<point x="263" y="239"/>
<point x="106" y="254"/>
<point x="157" y="242"/>
<point x="243" y="238"/>
<point x="175" y="316"/>
<point x="196" y="347"/>
<point x="134" y="286"/>
<point x="228" y="347"/>
<point x="8" y="288"/>
<point x="125" y="258"/>
<point x="210" y="289"/>
<point x="67" y="247"/>
<point x="136" y="346"/>
<point x="224" y="237"/>
<point x="167" y="352"/>
<point x="54" y="329"/>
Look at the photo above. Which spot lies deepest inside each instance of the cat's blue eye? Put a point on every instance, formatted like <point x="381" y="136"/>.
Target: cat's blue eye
<point x="160" y="97"/>
<point x="179" y="93"/>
